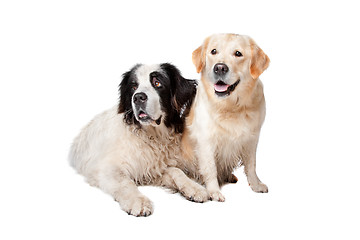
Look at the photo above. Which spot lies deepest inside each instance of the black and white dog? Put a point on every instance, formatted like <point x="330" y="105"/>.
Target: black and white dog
<point x="137" y="142"/>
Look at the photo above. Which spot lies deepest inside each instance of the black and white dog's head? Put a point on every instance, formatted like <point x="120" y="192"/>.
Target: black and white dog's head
<point x="152" y="94"/>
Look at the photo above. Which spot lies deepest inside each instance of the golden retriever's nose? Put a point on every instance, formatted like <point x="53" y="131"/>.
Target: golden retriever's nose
<point x="220" y="69"/>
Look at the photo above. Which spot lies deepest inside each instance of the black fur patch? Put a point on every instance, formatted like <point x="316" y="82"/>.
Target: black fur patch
<point x="126" y="91"/>
<point x="176" y="95"/>
<point x="182" y="93"/>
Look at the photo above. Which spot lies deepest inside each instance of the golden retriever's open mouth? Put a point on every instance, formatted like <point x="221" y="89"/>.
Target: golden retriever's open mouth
<point x="222" y="89"/>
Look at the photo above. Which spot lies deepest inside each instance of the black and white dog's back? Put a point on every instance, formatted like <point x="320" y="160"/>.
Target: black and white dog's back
<point x="137" y="142"/>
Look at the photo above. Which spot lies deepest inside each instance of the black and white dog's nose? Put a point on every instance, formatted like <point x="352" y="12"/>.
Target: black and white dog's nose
<point x="220" y="69"/>
<point x="140" y="98"/>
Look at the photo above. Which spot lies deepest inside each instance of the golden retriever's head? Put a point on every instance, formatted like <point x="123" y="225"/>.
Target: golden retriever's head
<point x="229" y="63"/>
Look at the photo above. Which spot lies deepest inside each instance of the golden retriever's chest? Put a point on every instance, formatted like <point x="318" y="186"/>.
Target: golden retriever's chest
<point x="231" y="136"/>
<point x="235" y="127"/>
<point x="229" y="141"/>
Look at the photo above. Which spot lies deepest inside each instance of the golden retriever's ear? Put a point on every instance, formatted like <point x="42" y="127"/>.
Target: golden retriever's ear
<point x="259" y="61"/>
<point x="198" y="59"/>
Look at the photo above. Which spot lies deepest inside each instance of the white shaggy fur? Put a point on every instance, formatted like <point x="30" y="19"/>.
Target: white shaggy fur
<point x="116" y="157"/>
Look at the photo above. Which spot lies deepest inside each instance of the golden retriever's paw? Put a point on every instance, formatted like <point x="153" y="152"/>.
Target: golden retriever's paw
<point x="195" y="193"/>
<point x="216" y="196"/>
<point x="259" y="187"/>
<point x="139" y="207"/>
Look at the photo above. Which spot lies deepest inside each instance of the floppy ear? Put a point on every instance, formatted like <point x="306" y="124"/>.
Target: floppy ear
<point x="125" y="102"/>
<point x="182" y="90"/>
<point x="199" y="55"/>
<point x="259" y="61"/>
<point x="198" y="59"/>
<point x="126" y="97"/>
<point x="182" y="94"/>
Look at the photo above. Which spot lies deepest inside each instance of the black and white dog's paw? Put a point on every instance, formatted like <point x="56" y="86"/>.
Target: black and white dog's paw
<point x="139" y="207"/>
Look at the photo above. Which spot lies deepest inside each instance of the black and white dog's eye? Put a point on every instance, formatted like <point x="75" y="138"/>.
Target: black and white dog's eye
<point x="213" y="52"/>
<point x="156" y="82"/>
<point x="133" y="85"/>
<point x="238" y="54"/>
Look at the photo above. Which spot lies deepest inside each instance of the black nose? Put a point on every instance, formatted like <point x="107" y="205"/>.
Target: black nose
<point x="140" y="98"/>
<point x="220" y="69"/>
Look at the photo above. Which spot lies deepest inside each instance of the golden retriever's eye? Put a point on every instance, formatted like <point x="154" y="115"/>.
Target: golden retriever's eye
<point x="238" y="54"/>
<point x="213" y="52"/>
<point x="156" y="83"/>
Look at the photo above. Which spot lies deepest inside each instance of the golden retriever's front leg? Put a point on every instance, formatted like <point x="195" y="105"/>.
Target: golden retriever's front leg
<point x="176" y="179"/>
<point x="249" y="160"/>
<point x="208" y="171"/>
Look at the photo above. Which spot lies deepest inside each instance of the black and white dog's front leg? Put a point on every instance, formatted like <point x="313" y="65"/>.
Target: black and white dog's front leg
<point x="125" y="191"/>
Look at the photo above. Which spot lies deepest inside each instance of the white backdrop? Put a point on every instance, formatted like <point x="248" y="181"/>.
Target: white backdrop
<point x="61" y="63"/>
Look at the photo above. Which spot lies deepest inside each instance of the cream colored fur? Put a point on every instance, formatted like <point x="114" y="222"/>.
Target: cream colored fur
<point x="117" y="157"/>
<point x="222" y="132"/>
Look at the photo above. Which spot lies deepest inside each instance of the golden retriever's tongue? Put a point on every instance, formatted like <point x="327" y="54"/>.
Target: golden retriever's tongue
<point x="221" y="87"/>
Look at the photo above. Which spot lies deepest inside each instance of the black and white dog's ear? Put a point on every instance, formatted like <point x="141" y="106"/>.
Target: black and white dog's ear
<point x="125" y="91"/>
<point x="125" y="101"/>
<point x="182" y="90"/>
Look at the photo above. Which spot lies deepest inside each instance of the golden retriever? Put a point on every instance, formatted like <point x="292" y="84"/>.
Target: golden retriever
<point x="223" y="126"/>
